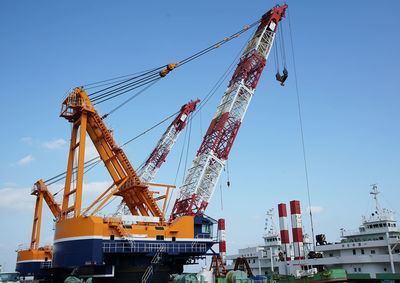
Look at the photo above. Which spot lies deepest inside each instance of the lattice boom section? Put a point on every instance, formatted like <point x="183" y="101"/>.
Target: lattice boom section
<point x="157" y="157"/>
<point x="202" y="177"/>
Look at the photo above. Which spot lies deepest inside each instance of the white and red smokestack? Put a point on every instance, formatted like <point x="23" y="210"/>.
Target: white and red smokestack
<point x="221" y="238"/>
<point x="297" y="230"/>
<point x="283" y="225"/>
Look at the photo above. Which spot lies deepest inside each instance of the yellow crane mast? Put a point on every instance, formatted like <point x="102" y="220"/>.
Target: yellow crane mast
<point x="78" y="109"/>
<point x="27" y="258"/>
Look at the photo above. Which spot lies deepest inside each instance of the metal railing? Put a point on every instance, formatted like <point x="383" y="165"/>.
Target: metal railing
<point x="171" y="248"/>
<point x="45" y="265"/>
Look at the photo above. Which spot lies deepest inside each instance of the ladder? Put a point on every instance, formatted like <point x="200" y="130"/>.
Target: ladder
<point x="155" y="262"/>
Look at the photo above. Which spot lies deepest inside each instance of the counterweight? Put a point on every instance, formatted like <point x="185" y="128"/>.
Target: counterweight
<point x="203" y="175"/>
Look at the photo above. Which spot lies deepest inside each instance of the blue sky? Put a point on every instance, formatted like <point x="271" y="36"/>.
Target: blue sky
<point x="347" y="64"/>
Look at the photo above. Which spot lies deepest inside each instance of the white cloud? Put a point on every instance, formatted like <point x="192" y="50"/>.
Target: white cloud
<point x="26" y="160"/>
<point x="54" y="144"/>
<point x="10" y="184"/>
<point x="16" y="199"/>
<point x="315" y="209"/>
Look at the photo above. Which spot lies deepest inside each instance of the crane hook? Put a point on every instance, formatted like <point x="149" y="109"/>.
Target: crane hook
<point x="282" y="78"/>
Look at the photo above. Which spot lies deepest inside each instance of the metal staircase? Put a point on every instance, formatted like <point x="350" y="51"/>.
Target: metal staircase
<point x="155" y="262"/>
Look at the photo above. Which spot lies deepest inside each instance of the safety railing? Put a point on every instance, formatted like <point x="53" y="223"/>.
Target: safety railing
<point x="171" y="248"/>
<point x="45" y="265"/>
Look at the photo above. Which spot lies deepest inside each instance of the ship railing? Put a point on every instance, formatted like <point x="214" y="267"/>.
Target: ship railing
<point x="23" y="247"/>
<point x="45" y="265"/>
<point x="126" y="247"/>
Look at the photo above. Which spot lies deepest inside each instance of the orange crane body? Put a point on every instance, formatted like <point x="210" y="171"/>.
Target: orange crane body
<point x="32" y="261"/>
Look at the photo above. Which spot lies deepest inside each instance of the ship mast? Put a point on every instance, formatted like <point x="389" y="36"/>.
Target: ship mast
<point x="375" y="193"/>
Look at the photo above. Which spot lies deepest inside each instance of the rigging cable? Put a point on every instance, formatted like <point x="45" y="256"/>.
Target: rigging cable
<point x="127" y="85"/>
<point x="129" y="99"/>
<point x="301" y="131"/>
<point x="112" y="80"/>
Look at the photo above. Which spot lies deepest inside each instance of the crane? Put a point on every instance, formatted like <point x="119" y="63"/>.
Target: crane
<point x="30" y="261"/>
<point x="131" y="250"/>
<point x="202" y="177"/>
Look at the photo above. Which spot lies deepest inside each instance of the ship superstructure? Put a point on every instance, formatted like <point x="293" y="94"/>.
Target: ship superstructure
<point x="371" y="252"/>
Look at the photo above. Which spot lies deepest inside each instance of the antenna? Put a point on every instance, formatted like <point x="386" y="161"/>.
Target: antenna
<point x="375" y="193"/>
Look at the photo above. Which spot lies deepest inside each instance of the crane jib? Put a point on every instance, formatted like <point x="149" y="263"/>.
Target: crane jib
<point x="202" y="177"/>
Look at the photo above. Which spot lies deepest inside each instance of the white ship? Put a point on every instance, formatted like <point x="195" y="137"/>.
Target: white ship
<point x="370" y="253"/>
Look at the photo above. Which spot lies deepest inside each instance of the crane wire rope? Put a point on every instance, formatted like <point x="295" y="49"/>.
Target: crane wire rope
<point x="143" y="78"/>
<point x="130" y="98"/>
<point x="301" y="130"/>
<point x="112" y="80"/>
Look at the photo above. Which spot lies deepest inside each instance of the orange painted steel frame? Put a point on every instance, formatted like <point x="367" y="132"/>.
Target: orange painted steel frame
<point x="95" y="226"/>
<point x="41" y="192"/>
<point x="78" y="109"/>
<point x="41" y="253"/>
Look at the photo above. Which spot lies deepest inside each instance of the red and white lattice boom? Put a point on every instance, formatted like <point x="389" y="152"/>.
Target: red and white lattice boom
<point x="164" y="145"/>
<point x="202" y="177"/>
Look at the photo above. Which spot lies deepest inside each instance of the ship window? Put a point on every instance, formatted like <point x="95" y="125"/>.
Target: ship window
<point x="385" y="269"/>
<point x="380" y="225"/>
<point x="355" y="269"/>
<point x="354" y="251"/>
<point x="362" y="251"/>
<point x="359" y="269"/>
<point x="384" y="224"/>
<point x="394" y="224"/>
<point x="206" y="228"/>
<point x="160" y="237"/>
<point x="173" y="239"/>
<point x="372" y="252"/>
<point x="375" y="225"/>
<point x="380" y="238"/>
<point x="111" y="237"/>
<point x="330" y="255"/>
<point x="397" y="251"/>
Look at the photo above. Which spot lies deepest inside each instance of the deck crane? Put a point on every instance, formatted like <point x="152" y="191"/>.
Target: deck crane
<point x="78" y="109"/>
<point x="203" y="175"/>
<point x="129" y="251"/>
<point x="30" y="261"/>
<point x="157" y="157"/>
